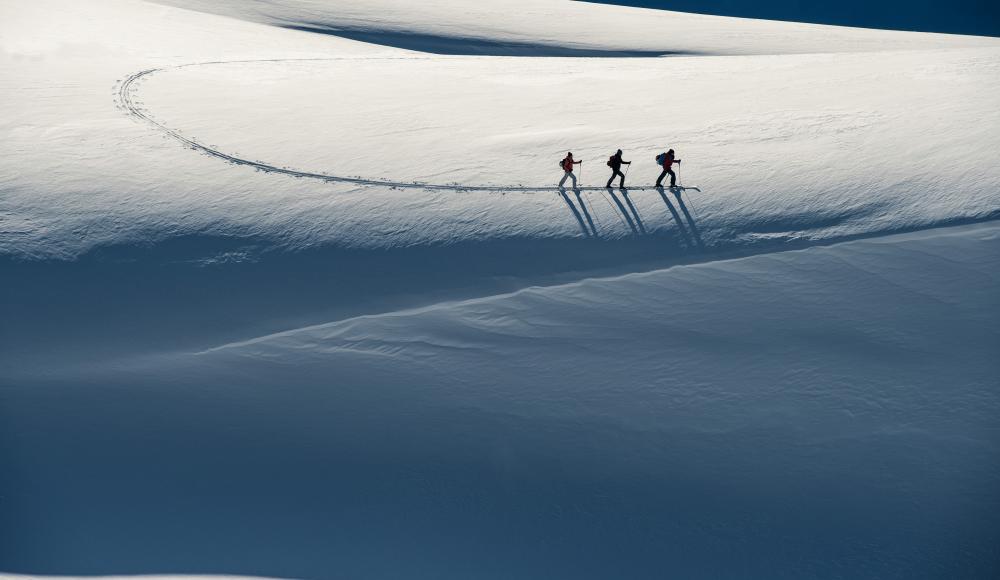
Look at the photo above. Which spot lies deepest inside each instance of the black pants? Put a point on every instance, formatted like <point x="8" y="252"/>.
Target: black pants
<point x="673" y="178"/>
<point x="616" y="171"/>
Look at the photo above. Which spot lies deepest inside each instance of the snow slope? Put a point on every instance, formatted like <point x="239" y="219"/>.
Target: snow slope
<point x="563" y="28"/>
<point x="822" y="413"/>
<point x="787" y="149"/>
<point x="287" y="292"/>
<point x="875" y="117"/>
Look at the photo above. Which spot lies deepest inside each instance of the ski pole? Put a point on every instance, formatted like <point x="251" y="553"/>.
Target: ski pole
<point x="613" y="210"/>
<point x="693" y="212"/>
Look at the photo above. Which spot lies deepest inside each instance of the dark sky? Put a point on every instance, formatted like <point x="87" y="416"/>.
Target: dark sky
<point x="957" y="16"/>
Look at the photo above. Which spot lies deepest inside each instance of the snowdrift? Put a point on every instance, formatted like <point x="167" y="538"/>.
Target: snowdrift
<point x="792" y="415"/>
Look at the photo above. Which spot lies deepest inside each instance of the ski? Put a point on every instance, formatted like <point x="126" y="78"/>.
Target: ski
<point x="627" y="188"/>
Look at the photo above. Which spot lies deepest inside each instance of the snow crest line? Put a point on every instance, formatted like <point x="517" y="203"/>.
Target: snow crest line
<point x="128" y="89"/>
<point x="347" y="323"/>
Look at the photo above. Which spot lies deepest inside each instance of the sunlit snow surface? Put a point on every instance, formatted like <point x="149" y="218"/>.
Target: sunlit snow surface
<point x="286" y="291"/>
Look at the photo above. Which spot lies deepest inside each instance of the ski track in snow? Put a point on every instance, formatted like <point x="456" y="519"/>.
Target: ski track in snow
<point x="127" y="90"/>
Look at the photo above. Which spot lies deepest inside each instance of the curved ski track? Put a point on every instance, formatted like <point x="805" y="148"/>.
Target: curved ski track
<point x="128" y="89"/>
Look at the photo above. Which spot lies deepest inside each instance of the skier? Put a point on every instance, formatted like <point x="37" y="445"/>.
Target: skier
<point x="567" y="166"/>
<point x="615" y="163"/>
<point x="667" y="160"/>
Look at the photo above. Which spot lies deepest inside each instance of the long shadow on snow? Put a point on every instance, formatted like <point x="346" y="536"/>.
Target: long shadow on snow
<point x="623" y="212"/>
<point x="690" y="220"/>
<point x="586" y="213"/>
<point x="684" y="235"/>
<point x="468" y="45"/>
<point x="635" y="211"/>
<point x="576" y="213"/>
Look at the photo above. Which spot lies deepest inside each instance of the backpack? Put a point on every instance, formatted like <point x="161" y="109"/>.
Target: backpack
<point x="661" y="158"/>
<point x="611" y="161"/>
<point x="561" y="162"/>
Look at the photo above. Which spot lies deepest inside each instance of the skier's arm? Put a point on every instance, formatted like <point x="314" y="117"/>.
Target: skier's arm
<point x="580" y="161"/>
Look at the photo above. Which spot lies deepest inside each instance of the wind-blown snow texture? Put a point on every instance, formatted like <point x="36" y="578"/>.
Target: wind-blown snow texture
<point x="771" y="416"/>
<point x="288" y="291"/>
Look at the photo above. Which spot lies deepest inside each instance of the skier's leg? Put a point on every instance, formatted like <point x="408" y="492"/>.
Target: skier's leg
<point x="673" y="178"/>
<point x="573" y="177"/>
<point x="621" y="182"/>
<point x="612" y="178"/>
<point x="659" y="180"/>
<point x="563" y="180"/>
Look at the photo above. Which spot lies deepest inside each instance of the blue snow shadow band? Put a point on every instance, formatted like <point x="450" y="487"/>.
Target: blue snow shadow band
<point x="472" y="46"/>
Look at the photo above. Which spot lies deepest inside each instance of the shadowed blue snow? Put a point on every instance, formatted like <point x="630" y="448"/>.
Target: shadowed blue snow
<point x="827" y="413"/>
<point x="464" y="45"/>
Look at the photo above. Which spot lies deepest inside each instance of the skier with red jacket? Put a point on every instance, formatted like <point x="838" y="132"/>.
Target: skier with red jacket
<point x="567" y="165"/>
<point x="667" y="160"/>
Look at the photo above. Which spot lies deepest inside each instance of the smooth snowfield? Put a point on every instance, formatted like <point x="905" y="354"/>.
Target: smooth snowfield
<point x="822" y="413"/>
<point x="285" y="290"/>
